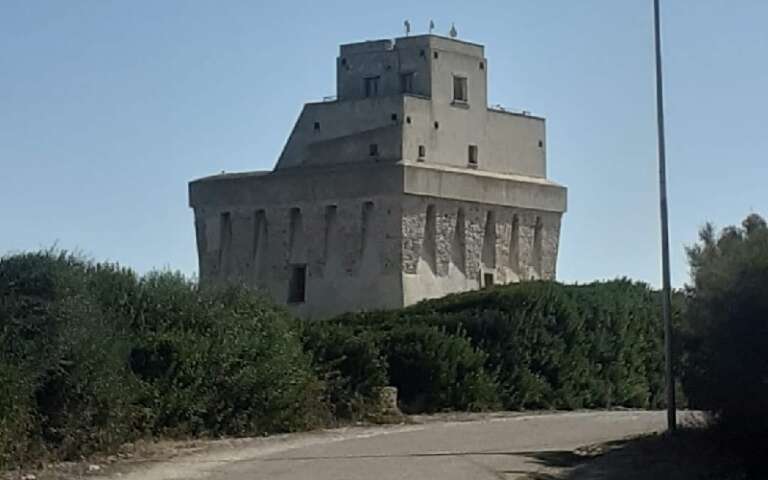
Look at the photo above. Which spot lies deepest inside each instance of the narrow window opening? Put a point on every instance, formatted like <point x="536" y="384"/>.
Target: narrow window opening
<point x="437" y="125"/>
<point x="458" y="245"/>
<point x="297" y="286"/>
<point x="537" y="247"/>
<point x="225" y="239"/>
<point x="330" y="227"/>
<point x="436" y="55"/>
<point x="429" y="245"/>
<point x="295" y="233"/>
<point x="408" y="120"/>
<point x="365" y="231"/>
<point x="472" y="156"/>
<point x="488" y="256"/>
<point x="373" y="149"/>
<point x="343" y="61"/>
<point x="482" y="65"/>
<point x="371" y="86"/>
<point x="259" y="235"/>
<point x="514" y="245"/>
<point x="317" y="126"/>
<point x="406" y="83"/>
<point x="422" y="53"/>
<point x="422" y="152"/>
<point x="541" y="144"/>
<point x="460" y="89"/>
<point x="487" y="280"/>
<point x="394" y="117"/>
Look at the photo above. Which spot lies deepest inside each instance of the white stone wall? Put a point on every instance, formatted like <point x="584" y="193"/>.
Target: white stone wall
<point x="378" y="252"/>
<point x="352" y="264"/>
<point x="420" y="281"/>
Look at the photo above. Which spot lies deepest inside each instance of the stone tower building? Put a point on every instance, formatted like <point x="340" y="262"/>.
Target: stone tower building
<point x="405" y="186"/>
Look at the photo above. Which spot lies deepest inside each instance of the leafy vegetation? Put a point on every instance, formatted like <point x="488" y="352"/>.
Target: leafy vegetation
<point x="544" y="344"/>
<point x="93" y="355"/>
<point x="726" y="359"/>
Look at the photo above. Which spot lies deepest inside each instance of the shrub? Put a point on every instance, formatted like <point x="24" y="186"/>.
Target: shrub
<point x="220" y="361"/>
<point x="552" y="345"/>
<point x="91" y="356"/>
<point x="69" y="390"/>
<point x="351" y="364"/>
<point x="434" y="370"/>
<point x="727" y="325"/>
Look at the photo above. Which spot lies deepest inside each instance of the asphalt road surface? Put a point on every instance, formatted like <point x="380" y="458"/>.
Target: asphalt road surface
<point x="516" y="447"/>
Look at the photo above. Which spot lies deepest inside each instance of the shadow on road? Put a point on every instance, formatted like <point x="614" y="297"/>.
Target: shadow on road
<point x="691" y="454"/>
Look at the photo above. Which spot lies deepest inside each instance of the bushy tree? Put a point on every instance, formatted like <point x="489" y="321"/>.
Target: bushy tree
<point x="436" y="370"/>
<point x="351" y="364"/>
<point x="67" y="388"/>
<point x="220" y="361"/>
<point x="92" y="355"/>
<point x="727" y="324"/>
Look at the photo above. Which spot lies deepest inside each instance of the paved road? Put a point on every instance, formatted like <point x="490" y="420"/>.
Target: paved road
<point x="499" y="448"/>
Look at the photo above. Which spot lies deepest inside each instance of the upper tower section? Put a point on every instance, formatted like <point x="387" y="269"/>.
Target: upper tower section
<point x="414" y="65"/>
<point x="415" y="100"/>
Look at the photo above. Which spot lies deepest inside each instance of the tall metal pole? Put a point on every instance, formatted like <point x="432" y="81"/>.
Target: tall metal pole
<point x="666" y="288"/>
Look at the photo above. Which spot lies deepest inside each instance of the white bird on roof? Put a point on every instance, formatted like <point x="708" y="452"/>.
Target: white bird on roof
<point x="453" y="33"/>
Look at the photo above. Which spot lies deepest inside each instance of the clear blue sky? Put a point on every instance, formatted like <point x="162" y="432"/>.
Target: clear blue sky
<point x="108" y="108"/>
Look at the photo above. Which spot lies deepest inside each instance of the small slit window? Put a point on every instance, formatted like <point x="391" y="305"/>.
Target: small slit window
<point x="437" y="125"/>
<point x="460" y="89"/>
<point x="482" y="65"/>
<point x="373" y="149"/>
<point x="406" y="83"/>
<point x="422" y="153"/>
<point x="394" y="117"/>
<point x="317" y="126"/>
<point x="472" y="156"/>
<point x="408" y="120"/>
<point x="371" y="85"/>
<point x="436" y="55"/>
<point x="297" y="285"/>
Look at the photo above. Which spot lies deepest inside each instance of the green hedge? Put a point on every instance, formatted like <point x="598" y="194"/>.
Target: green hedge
<point x="352" y="365"/>
<point x="92" y="356"/>
<point x="436" y="370"/>
<point x="549" y="345"/>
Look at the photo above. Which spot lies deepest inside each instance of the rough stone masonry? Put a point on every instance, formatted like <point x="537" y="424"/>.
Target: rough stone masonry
<point x="404" y="186"/>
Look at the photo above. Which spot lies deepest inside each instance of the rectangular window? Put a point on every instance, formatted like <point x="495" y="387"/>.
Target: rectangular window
<point x="487" y="280"/>
<point x="460" y="89"/>
<point x="297" y="286"/>
<point x="373" y="150"/>
<point x="472" y="159"/>
<point x="406" y="83"/>
<point x="371" y="86"/>
<point x="422" y="152"/>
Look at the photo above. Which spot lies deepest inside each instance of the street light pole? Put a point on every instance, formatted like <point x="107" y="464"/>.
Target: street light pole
<point x="666" y="288"/>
